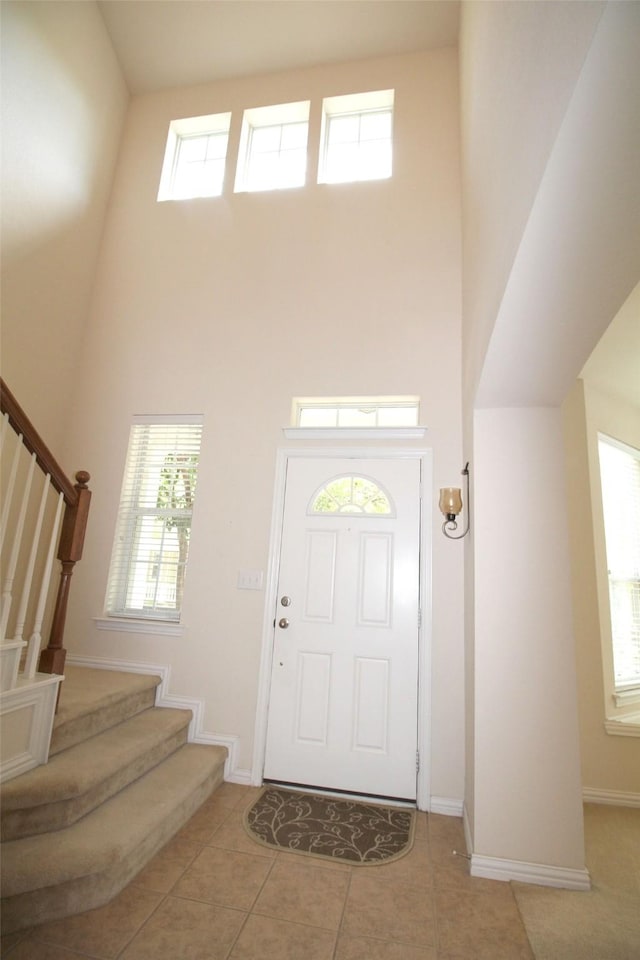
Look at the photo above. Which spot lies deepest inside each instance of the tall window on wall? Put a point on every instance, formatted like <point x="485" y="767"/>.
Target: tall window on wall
<point x="620" y="479"/>
<point x="356" y="137"/>
<point x="151" y="546"/>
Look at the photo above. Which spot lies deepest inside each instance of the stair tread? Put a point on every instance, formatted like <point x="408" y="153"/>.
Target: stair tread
<point x="92" y="700"/>
<point x="78" y="769"/>
<point x="106" y="835"/>
<point x="87" y="689"/>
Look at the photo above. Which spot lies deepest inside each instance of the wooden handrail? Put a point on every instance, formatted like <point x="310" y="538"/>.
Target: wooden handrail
<point x="77" y="498"/>
<point x="34" y="444"/>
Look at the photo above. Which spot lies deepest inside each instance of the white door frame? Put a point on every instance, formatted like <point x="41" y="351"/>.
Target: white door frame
<point x="424" y="628"/>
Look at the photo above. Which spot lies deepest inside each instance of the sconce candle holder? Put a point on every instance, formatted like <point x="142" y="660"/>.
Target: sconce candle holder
<point x="451" y="504"/>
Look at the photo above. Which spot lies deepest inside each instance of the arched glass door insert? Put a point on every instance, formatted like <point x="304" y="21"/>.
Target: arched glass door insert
<point x="354" y="495"/>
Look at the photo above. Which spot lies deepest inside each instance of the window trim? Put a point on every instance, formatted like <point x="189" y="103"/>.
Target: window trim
<point x="119" y="577"/>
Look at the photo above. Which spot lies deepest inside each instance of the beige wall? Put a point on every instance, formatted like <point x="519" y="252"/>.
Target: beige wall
<point x="610" y="764"/>
<point x="63" y="105"/>
<point x="229" y="307"/>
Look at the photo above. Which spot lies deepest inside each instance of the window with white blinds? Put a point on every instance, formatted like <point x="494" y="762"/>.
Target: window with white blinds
<point x="151" y="547"/>
<point x="620" y="479"/>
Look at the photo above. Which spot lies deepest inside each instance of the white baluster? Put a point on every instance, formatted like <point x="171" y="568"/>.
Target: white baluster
<point x="28" y="577"/>
<point x="8" y="494"/>
<point x="7" y="587"/>
<point x="36" y="636"/>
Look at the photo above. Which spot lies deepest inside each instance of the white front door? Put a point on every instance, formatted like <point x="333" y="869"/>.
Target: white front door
<point x="344" y="684"/>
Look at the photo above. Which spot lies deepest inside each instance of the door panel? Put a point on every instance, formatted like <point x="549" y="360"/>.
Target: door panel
<point x="343" y="696"/>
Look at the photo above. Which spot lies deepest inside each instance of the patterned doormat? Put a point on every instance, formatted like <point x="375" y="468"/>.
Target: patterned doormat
<point x="360" y="833"/>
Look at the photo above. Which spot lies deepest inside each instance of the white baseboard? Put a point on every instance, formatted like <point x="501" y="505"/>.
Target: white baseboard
<point x="542" y="874"/>
<point x="616" y="798"/>
<point x="447" y="806"/>
<point x="165" y="699"/>
<point x="468" y="837"/>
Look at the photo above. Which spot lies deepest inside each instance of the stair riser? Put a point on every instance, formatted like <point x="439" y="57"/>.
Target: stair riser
<point x="75" y="731"/>
<point x="86" y="893"/>
<point x="56" y="816"/>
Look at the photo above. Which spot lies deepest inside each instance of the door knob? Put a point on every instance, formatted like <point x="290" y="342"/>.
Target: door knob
<point x="283" y="624"/>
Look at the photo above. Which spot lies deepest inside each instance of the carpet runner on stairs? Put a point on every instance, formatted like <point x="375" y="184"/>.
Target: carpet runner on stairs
<point x="120" y="782"/>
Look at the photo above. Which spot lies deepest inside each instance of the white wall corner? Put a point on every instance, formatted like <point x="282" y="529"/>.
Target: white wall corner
<point x="546" y="875"/>
<point x="447" y="806"/>
<point x="172" y="701"/>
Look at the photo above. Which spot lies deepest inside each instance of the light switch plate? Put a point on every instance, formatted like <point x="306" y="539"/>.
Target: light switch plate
<point x="250" y="579"/>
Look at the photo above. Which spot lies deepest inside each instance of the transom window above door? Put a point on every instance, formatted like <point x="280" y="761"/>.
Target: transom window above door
<point x="351" y="494"/>
<point x="355" y="411"/>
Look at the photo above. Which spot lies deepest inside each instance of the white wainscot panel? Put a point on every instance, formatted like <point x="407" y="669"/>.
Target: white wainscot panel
<point x="320" y="575"/>
<point x="374" y="604"/>
<point x="371" y="707"/>
<point x="313" y="682"/>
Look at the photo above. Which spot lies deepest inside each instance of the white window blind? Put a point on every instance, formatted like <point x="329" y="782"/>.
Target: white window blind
<point x="620" y="478"/>
<point x="151" y="547"/>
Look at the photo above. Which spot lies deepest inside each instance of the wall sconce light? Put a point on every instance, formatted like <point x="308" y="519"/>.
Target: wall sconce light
<point x="451" y="506"/>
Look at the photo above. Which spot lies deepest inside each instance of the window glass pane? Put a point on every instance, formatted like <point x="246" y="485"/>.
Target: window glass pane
<point x="294" y="136"/>
<point x="620" y="478"/>
<point x="192" y="149"/>
<point x="376" y="126"/>
<point x="318" y="417"/>
<point x="354" y="495"/>
<point x="375" y="160"/>
<point x="357" y="417"/>
<point x="397" y="416"/>
<point x="265" y="139"/>
<point x="344" y="129"/>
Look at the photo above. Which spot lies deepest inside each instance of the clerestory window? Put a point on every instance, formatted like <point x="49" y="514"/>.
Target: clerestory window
<point x="273" y="147"/>
<point x="195" y="157"/>
<point x="356" y="137"/>
<point x="151" y="545"/>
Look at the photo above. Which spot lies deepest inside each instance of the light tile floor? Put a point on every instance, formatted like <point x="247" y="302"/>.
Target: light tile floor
<point x="214" y="894"/>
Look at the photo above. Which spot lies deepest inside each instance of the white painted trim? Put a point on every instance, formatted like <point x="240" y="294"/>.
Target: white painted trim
<point x="627" y="725"/>
<point x="466" y="823"/>
<point x="172" y="701"/>
<point x="622" y="698"/>
<point x="543" y="874"/>
<point x="240" y="776"/>
<point x="354" y="433"/>
<point x="447" y="806"/>
<point x="616" y="798"/>
<point x="162" y="628"/>
<point x="35" y="698"/>
<point x="424" y="632"/>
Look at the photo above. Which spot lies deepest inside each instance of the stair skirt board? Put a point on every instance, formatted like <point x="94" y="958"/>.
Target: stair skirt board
<point x="231" y="742"/>
<point x="69" y="893"/>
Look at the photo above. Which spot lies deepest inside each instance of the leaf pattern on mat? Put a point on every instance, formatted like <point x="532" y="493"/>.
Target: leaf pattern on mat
<point x="330" y="827"/>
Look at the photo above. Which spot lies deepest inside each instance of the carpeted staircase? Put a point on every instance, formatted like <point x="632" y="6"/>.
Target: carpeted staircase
<point x="120" y="782"/>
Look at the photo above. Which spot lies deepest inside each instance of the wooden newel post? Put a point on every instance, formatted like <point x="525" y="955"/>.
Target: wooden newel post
<point x="74" y="525"/>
